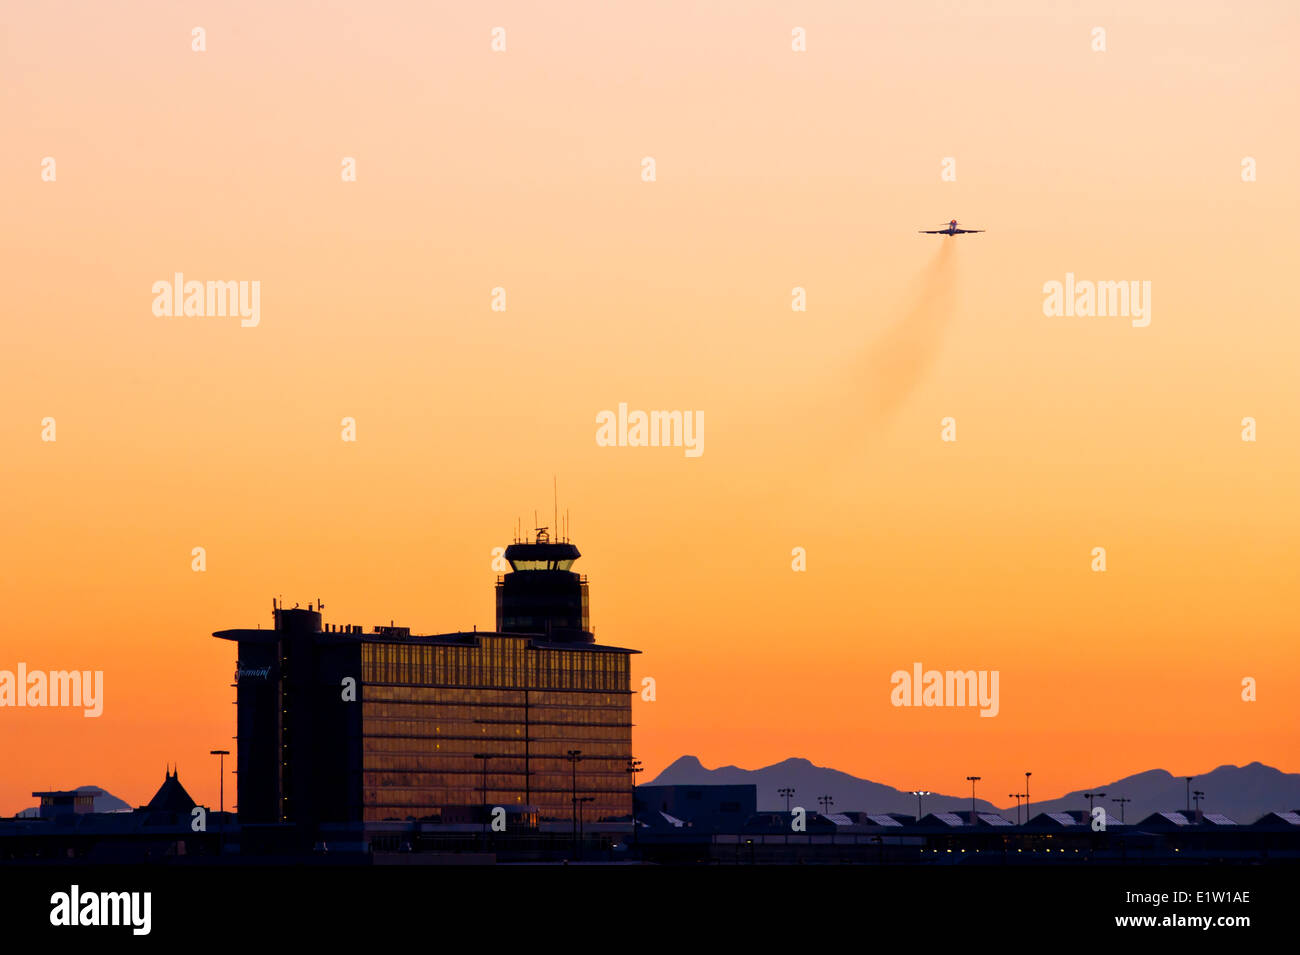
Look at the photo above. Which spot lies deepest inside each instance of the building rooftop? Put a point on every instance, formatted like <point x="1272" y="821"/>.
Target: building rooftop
<point x="171" y="796"/>
<point x="390" y="634"/>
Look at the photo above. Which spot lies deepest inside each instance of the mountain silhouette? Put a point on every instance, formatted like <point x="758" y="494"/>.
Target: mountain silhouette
<point x="1242" y="793"/>
<point x="810" y="782"/>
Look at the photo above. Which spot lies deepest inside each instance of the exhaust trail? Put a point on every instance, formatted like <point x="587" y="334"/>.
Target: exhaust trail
<point x="817" y="439"/>
<point x="897" y="361"/>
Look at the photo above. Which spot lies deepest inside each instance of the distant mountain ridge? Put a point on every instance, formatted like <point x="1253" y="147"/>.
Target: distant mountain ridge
<point x="1242" y="793"/>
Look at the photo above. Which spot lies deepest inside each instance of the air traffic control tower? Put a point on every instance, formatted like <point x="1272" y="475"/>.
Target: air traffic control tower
<point x="542" y="595"/>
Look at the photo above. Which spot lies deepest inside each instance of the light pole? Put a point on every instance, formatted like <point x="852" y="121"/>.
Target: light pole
<point x="1090" y="797"/>
<point x="1189" y="792"/>
<point x="1016" y="797"/>
<point x="634" y="767"/>
<point x="788" y="792"/>
<point x="826" y="811"/>
<point x="221" y="755"/>
<point x="1197" y="796"/>
<point x="485" y="757"/>
<point x="579" y="803"/>
<point x="1121" y="800"/>
<point x="574" y="756"/>
<point x="973" y="780"/>
<point x="1027" y="775"/>
<point x="918" y="793"/>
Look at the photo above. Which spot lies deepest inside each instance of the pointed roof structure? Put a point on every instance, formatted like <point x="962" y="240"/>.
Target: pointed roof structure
<point x="171" y="796"/>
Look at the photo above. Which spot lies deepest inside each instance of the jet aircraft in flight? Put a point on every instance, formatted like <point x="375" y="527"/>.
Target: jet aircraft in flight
<point x="950" y="230"/>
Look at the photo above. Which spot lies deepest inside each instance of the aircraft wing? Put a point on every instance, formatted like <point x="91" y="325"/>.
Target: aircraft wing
<point x="936" y="231"/>
<point x="960" y="231"/>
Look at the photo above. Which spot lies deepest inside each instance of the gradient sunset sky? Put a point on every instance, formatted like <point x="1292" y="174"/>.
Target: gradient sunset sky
<point x="775" y="169"/>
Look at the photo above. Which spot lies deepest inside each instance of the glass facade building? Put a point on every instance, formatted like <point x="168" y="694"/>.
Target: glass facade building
<point x="492" y="723"/>
<point x="340" y="725"/>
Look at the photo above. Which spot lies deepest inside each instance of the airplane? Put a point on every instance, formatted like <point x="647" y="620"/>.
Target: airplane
<point x="951" y="230"/>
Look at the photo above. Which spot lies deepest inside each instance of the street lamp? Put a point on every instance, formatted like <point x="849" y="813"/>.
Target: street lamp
<point x="221" y="755"/>
<point x="1121" y="800"/>
<point x="485" y="757"/>
<point x="1016" y="797"/>
<point x="788" y="792"/>
<point x="634" y="767"/>
<point x="918" y="793"/>
<point x="1197" y="796"/>
<point x="826" y="811"/>
<point x="1090" y="797"/>
<point x="1189" y="791"/>
<point x="574" y="756"/>
<point x="973" y="780"/>
<point x="1027" y="775"/>
<point x="221" y="775"/>
<point x="578" y="802"/>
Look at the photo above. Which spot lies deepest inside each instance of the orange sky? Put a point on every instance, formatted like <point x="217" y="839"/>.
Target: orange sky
<point x="775" y="169"/>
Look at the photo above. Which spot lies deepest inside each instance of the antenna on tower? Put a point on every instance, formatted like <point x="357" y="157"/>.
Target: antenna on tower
<point x="555" y="504"/>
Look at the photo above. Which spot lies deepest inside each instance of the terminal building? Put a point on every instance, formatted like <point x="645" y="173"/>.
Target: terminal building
<point x="341" y="725"/>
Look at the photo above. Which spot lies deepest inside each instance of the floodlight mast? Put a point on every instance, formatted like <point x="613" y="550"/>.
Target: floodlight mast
<point x="918" y="793"/>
